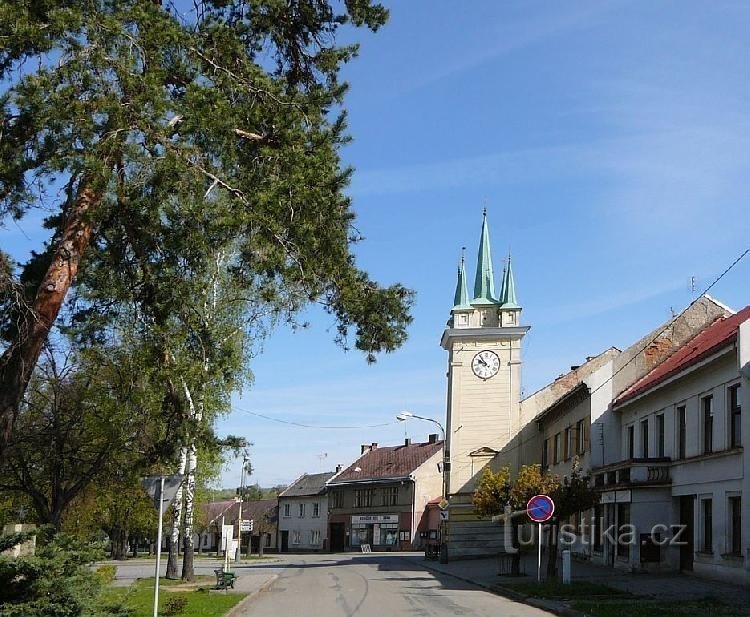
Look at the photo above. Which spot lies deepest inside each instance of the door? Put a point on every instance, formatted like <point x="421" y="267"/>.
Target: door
<point x="687" y="537"/>
<point x="284" y="541"/>
<point x="337" y="535"/>
<point x="610" y="526"/>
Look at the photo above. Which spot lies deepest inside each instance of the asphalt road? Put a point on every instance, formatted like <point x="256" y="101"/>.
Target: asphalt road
<point x="374" y="585"/>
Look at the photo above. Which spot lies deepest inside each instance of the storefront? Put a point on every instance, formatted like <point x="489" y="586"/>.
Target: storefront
<point x="377" y="530"/>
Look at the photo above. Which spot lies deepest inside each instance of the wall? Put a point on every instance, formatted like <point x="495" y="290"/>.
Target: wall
<point x="307" y="525"/>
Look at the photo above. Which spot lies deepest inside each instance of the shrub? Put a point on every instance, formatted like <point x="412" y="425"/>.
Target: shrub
<point x="174" y="606"/>
<point x="106" y="574"/>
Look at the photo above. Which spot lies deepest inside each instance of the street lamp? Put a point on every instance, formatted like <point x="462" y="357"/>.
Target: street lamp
<point x="403" y="417"/>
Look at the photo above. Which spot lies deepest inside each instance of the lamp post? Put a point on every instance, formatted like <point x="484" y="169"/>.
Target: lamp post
<point x="238" y="555"/>
<point x="403" y="417"/>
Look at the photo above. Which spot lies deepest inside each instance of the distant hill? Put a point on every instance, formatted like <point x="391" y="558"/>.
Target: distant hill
<point x="251" y="493"/>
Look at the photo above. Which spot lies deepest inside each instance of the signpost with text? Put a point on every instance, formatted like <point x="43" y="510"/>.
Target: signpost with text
<point x="540" y="508"/>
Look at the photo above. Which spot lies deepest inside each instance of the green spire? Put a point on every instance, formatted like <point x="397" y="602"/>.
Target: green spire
<point x="484" y="285"/>
<point x="461" y="299"/>
<point x="508" y="289"/>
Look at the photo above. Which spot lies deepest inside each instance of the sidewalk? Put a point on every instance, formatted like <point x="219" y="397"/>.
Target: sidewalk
<point x="665" y="587"/>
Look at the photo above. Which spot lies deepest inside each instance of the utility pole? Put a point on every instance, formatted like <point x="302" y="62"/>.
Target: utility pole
<point x="238" y="555"/>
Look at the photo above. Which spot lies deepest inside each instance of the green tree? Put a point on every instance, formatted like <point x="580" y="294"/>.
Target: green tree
<point x="572" y="496"/>
<point x="57" y="580"/>
<point x="492" y="493"/>
<point x="131" y="112"/>
<point x="84" y="420"/>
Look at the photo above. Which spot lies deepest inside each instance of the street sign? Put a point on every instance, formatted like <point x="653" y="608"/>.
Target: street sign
<point x="171" y="486"/>
<point x="443" y="504"/>
<point x="444" y="515"/>
<point x="540" y="508"/>
<point x="246" y="525"/>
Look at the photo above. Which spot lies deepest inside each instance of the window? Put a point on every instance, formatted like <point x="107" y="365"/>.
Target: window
<point x="681" y="431"/>
<point x="735" y="424"/>
<point x="390" y="496"/>
<point x="735" y="525"/>
<point x="708" y="424"/>
<point x="598" y="530"/>
<point x="363" y="498"/>
<point x="296" y="537"/>
<point x="631" y="441"/>
<point x="302" y="510"/>
<point x="707" y="527"/>
<point x="581" y="437"/>
<point x="315" y="537"/>
<point x="556" y="453"/>
<point x="287" y="510"/>
<point x="660" y="435"/>
<point x="644" y="438"/>
<point x="316" y="510"/>
<point x="337" y="499"/>
<point x="545" y="454"/>
<point x="567" y="444"/>
<point x="623" y="520"/>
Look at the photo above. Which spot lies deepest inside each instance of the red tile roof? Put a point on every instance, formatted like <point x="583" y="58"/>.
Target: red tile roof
<point x="720" y="333"/>
<point x="388" y="462"/>
<point x="256" y="510"/>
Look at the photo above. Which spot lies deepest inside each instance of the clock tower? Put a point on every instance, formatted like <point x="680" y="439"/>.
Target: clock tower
<point x="483" y="341"/>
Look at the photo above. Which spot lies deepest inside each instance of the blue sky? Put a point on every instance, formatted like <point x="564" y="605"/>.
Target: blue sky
<point x="610" y="142"/>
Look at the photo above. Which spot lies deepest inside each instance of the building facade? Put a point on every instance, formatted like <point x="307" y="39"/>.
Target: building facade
<point x="679" y="478"/>
<point x="303" y="514"/>
<point x="380" y="500"/>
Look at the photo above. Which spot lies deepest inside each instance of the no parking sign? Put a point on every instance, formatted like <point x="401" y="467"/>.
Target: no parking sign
<point x="540" y="508"/>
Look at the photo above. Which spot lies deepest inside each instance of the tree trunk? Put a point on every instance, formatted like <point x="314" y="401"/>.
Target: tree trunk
<point x="18" y="361"/>
<point x="552" y="554"/>
<point x="173" y="538"/>
<point x="119" y="538"/>
<point x="188" y="573"/>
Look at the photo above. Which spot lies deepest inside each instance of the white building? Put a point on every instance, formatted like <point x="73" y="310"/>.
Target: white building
<point x="676" y="470"/>
<point x="303" y="514"/>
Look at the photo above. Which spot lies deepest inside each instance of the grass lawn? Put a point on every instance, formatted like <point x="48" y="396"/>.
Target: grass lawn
<point x="645" y="608"/>
<point x="557" y="591"/>
<point x="200" y="602"/>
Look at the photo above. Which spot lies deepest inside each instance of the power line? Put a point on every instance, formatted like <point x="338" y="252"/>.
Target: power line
<point x="671" y="321"/>
<point x="302" y="425"/>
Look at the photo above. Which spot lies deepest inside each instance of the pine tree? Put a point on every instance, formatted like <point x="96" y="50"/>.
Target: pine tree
<point x="130" y="110"/>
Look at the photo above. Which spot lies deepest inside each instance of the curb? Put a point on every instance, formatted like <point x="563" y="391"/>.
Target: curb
<point x="547" y="605"/>
<point x="238" y="608"/>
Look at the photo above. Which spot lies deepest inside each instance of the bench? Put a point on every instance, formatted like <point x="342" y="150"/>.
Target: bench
<point x="224" y="580"/>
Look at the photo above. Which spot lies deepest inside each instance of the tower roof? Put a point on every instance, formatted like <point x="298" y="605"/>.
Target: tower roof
<point x="508" y="288"/>
<point x="484" y="283"/>
<point x="461" y="298"/>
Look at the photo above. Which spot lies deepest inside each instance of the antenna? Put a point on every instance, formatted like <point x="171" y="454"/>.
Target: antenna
<point x="321" y="457"/>
<point x="692" y="284"/>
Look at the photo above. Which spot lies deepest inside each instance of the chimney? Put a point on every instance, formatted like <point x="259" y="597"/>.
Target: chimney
<point x="338" y="468"/>
<point x="432" y="438"/>
<point x="365" y="448"/>
<point x="374" y="445"/>
<point x="575" y="367"/>
<point x="407" y="442"/>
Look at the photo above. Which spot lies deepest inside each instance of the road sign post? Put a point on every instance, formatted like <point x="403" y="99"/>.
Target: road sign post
<point x="540" y="508"/>
<point x="162" y="490"/>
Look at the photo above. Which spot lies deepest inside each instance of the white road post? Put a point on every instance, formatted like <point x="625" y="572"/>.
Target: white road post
<point x="158" y="547"/>
<point x="566" y="566"/>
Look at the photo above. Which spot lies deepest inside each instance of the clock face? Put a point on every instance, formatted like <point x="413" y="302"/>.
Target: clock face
<point x="485" y="364"/>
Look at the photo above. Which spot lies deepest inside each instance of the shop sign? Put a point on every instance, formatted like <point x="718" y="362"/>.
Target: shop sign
<point x="367" y="519"/>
